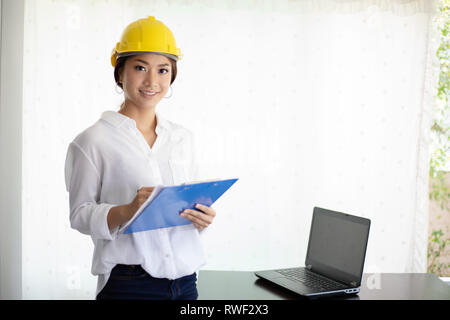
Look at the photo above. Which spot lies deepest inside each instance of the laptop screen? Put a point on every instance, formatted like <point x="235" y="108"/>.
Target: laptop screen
<point x="337" y="245"/>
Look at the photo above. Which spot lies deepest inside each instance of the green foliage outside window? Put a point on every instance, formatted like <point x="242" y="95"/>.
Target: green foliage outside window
<point x="440" y="144"/>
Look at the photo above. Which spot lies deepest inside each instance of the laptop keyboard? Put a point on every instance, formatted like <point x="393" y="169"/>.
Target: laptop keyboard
<point x="310" y="279"/>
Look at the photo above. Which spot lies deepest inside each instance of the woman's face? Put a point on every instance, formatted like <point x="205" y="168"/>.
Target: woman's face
<point x="145" y="79"/>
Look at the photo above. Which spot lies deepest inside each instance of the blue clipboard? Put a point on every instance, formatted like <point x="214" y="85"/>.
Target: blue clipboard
<point x="164" y="209"/>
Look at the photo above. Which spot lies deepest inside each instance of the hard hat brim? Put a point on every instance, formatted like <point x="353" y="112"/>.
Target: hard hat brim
<point x="134" y="53"/>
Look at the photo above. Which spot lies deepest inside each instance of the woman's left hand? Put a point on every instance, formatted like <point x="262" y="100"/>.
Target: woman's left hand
<point x="200" y="218"/>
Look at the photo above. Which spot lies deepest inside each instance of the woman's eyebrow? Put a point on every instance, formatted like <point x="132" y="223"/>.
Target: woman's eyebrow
<point x="141" y="61"/>
<point x="146" y="63"/>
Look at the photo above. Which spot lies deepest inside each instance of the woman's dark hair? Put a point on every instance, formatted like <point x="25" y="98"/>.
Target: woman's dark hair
<point x="120" y="63"/>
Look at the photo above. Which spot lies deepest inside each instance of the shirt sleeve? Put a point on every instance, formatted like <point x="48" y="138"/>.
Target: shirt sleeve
<point x="84" y="184"/>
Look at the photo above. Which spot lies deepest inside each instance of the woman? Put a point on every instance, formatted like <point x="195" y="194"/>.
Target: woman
<point x="112" y="166"/>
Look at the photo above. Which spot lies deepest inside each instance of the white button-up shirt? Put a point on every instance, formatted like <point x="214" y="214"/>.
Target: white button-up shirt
<point x="105" y="166"/>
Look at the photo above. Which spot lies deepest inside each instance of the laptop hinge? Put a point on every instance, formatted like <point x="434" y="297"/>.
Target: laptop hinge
<point x="309" y="266"/>
<point x="353" y="283"/>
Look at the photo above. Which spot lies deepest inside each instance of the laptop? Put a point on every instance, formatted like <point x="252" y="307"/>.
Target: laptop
<point x="334" y="260"/>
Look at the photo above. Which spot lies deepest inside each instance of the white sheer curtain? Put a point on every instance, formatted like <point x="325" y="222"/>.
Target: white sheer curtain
<point x="310" y="103"/>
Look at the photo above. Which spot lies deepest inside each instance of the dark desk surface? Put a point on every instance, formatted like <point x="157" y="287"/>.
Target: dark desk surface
<point x="244" y="285"/>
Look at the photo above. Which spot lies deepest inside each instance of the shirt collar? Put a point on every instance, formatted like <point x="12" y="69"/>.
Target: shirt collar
<point x="119" y="120"/>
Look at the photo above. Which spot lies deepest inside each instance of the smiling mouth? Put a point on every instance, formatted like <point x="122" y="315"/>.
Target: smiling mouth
<point x="148" y="93"/>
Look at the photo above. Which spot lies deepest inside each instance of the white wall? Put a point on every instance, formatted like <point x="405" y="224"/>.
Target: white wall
<point x="12" y="26"/>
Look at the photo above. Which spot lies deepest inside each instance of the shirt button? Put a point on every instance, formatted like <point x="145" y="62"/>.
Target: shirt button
<point x="167" y="255"/>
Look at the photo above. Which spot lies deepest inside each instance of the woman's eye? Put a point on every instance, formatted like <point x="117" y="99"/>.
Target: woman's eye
<point x="163" y="71"/>
<point x="140" y="68"/>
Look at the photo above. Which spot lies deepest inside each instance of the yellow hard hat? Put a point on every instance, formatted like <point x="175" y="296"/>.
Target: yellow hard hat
<point x="146" y="35"/>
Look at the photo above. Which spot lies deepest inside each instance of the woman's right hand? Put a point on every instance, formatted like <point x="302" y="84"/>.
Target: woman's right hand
<point x="141" y="196"/>
<point x="119" y="215"/>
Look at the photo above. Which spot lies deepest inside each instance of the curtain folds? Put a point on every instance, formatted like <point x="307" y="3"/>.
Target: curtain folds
<point x="395" y="7"/>
<point x="419" y="236"/>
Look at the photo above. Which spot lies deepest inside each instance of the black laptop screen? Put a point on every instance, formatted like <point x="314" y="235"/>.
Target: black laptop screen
<point x="337" y="244"/>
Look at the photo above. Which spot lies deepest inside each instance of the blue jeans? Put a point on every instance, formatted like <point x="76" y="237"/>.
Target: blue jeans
<point x="134" y="283"/>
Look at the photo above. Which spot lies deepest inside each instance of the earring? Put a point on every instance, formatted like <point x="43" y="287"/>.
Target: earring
<point x="171" y="93"/>
<point x="118" y="92"/>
